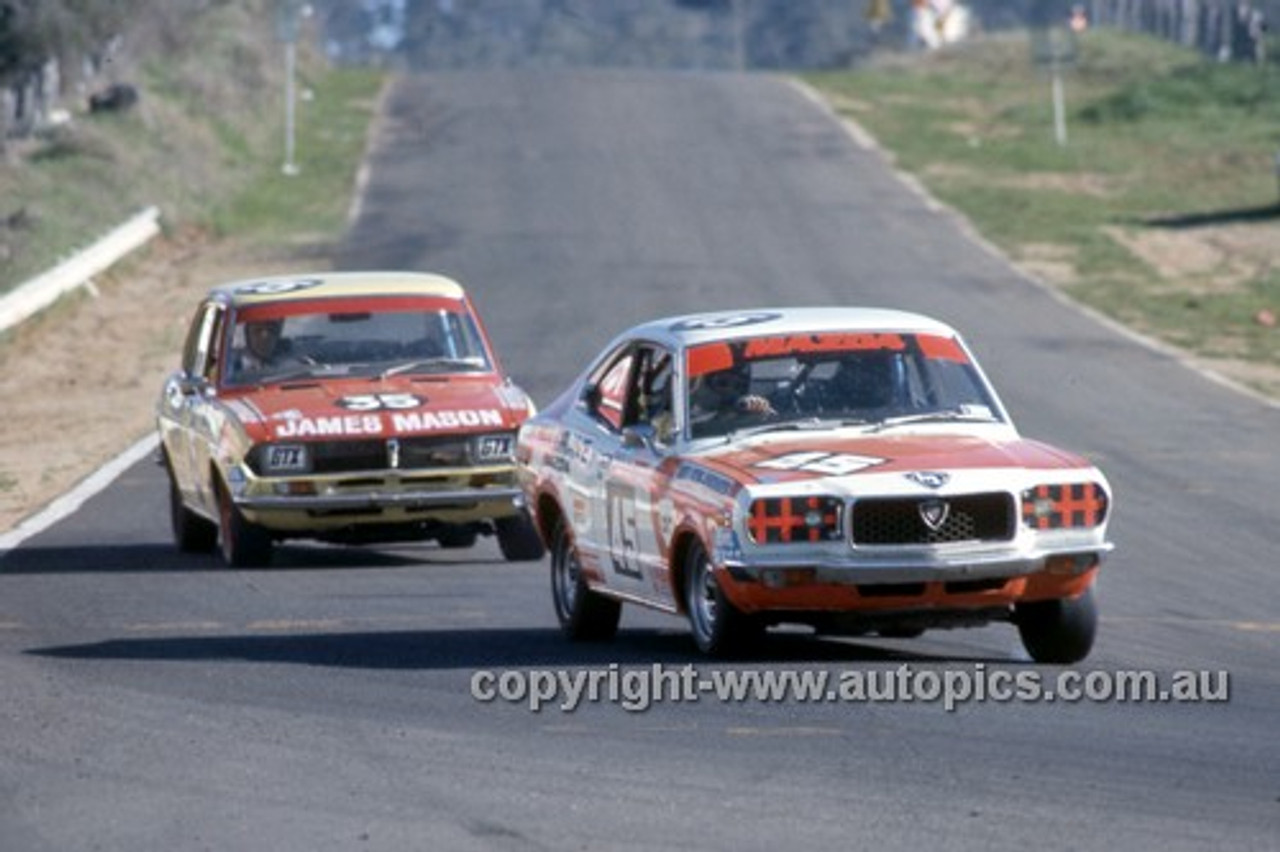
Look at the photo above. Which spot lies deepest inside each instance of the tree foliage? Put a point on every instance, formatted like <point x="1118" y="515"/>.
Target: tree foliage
<point x="35" y="31"/>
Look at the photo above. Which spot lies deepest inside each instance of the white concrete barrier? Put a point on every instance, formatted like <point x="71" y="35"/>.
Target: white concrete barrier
<point x="40" y="292"/>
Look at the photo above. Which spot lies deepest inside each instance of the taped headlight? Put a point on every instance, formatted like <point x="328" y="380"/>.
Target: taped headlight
<point x="498" y="447"/>
<point x="280" y="459"/>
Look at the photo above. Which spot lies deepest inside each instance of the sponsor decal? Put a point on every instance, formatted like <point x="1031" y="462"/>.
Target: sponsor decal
<point x="294" y="426"/>
<point x="575" y="448"/>
<point x="772" y="347"/>
<point x="696" y="475"/>
<point x="828" y="464"/>
<point x="271" y="288"/>
<point x="928" y="478"/>
<point x="430" y="421"/>
<point x="723" y="321"/>
<point x="341" y="424"/>
<point x="380" y="401"/>
<point x="725" y="545"/>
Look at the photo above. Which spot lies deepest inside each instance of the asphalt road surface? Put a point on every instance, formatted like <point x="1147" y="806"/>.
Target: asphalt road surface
<point x="154" y="701"/>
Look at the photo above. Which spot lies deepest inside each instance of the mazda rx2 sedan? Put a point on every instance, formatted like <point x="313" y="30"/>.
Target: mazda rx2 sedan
<point x="847" y="469"/>
<point x="351" y="407"/>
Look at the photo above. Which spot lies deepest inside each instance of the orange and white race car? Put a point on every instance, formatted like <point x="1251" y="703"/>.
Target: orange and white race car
<point x="848" y="469"/>
<point x="351" y="407"/>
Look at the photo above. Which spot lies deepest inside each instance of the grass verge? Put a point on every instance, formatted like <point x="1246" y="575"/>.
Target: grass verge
<point x="1162" y="209"/>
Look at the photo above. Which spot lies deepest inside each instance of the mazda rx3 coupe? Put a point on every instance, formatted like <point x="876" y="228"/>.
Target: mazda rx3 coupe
<point x="352" y="407"/>
<point x="847" y="469"/>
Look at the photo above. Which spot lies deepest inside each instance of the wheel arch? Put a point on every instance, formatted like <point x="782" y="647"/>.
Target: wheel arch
<point x="683" y="540"/>
<point x="548" y="514"/>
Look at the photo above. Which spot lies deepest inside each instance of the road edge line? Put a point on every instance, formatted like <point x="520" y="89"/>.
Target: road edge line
<point x="89" y="487"/>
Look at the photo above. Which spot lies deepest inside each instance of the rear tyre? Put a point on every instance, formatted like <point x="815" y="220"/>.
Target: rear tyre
<point x="584" y="615"/>
<point x="1059" y="632"/>
<point x="191" y="533"/>
<point x="518" y="538"/>
<point x="719" y="628"/>
<point x="244" y="544"/>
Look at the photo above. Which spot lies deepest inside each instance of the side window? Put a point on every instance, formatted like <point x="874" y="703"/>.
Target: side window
<point x="655" y="393"/>
<point x="211" y="368"/>
<point x="199" y="355"/>
<point x="614" y="386"/>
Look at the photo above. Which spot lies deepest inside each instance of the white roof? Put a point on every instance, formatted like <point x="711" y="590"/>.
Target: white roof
<point x="693" y="329"/>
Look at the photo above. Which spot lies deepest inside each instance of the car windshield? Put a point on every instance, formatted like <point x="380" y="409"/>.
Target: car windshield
<point x="286" y="342"/>
<point x="830" y="379"/>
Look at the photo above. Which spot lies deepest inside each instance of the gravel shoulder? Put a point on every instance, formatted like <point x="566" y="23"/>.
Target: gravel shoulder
<point x="80" y="381"/>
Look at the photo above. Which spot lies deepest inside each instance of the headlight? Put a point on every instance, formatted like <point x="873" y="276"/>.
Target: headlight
<point x="494" y="448"/>
<point x="794" y="519"/>
<point x="1053" y="507"/>
<point x="278" y="459"/>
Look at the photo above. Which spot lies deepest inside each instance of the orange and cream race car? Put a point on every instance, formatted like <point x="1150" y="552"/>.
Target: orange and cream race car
<point x="847" y="469"/>
<point x="351" y="407"/>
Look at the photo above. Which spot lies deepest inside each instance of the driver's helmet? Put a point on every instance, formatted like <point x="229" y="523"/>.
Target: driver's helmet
<point x="722" y="388"/>
<point x="262" y="336"/>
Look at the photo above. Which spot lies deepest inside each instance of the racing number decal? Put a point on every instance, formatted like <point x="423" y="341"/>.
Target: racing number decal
<point x="380" y="401"/>
<point x="623" y="529"/>
<point x="271" y="288"/>
<point x="830" y="464"/>
<point x="732" y="321"/>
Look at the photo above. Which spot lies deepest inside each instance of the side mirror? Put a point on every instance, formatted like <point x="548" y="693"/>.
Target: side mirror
<point x="591" y="397"/>
<point x="190" y="385"/>
<point x="639" y="436"/>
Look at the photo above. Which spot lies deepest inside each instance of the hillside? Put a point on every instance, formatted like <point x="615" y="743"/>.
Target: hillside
<point x="204" y="144"/>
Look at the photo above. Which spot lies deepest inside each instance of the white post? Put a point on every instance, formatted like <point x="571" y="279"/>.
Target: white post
<point x="1059" y="107"/>
<point x="290" y="98"/>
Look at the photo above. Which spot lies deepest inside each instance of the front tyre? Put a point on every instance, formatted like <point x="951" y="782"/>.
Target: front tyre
<point x="719" y="628"/>
<point x="1060" y="632"/>
<point x="584" y="615"/>
<point x="244" y="544"/>
<point x="518" y="538"/>
<point x="191" y="533"/>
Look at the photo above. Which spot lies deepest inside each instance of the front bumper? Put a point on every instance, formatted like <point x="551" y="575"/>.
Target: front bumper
<point x="953" y="580"/>
<point x="409" y="501"/>
<point x="324" y="503"/>
<point x="923" y="567"/>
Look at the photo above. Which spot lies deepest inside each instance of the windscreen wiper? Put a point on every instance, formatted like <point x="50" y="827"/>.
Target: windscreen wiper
<point x="952" y="415"/>
<point x="438" y="363"/>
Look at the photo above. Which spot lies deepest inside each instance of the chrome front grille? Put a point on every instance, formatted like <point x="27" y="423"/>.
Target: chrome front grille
<point x="407" y="454"/>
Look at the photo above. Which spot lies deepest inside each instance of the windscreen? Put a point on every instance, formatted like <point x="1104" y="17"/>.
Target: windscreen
<point x="287" y="341"/>
<point x="854" y="378"/>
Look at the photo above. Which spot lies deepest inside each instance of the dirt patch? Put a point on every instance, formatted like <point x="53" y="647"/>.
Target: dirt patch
<point x="1087" y="184"/>
<point x="1049" y="262"/>
<point x="1210" y="258"/>
<point x="80" y="382"/>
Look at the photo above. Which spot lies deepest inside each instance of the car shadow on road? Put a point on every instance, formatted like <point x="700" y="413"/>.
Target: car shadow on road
<point x="480" y="648"/>
<point x="160" y="557"/>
